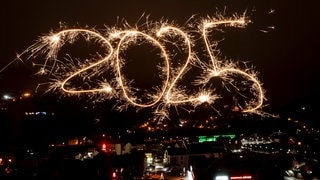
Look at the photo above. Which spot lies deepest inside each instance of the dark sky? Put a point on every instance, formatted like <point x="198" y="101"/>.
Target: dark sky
<point x="286" y="57"/>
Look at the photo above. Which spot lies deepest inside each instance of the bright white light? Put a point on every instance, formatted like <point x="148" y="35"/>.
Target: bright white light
<point x="7" y="97"/>
<point x="222" y="177"/>
<point x="204" y="98"/>
<point x="108" y="89"/>
<point x="55" y="39"/>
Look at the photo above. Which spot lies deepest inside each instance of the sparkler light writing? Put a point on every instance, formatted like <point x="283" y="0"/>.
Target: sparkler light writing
<point x="103" y="74"/>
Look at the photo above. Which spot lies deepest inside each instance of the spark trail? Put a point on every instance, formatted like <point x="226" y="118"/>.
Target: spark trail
<point x="102" y="76"/>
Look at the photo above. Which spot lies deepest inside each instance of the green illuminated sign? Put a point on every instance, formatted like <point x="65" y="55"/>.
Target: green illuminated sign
<point x="215" y="137"/>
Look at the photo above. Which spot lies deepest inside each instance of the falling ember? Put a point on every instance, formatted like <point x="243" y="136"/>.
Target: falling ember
<point x="103" y="72"/>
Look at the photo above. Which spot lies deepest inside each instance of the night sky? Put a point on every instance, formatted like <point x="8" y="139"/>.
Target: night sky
<point x="286" y="57"/>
